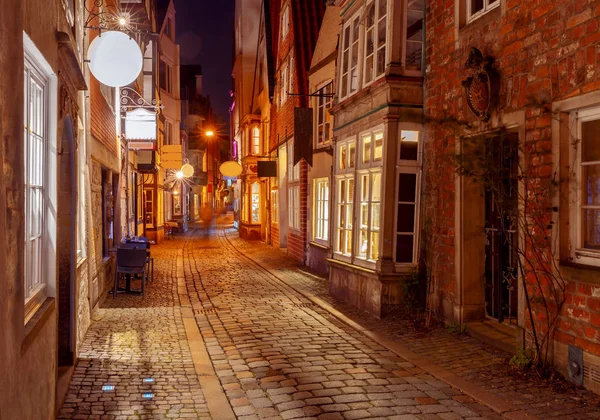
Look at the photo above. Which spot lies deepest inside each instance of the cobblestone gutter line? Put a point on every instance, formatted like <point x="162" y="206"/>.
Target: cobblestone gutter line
<point x="477" y="369"/>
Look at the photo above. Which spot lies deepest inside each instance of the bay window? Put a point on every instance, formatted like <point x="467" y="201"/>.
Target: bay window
<point x="255" y="203"/>
<point x="370" y="209"/>
<point x="407" y="203"/>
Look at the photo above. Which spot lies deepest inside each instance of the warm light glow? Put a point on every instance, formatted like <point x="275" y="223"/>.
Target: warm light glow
<point x="175" y="192"/>
<point x="187" y="170"/>
<point x="210" y="133"/>
<point x="179" y="174"/>
<point x="122" y="21"/>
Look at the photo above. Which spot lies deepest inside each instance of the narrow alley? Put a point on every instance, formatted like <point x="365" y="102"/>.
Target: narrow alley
<point x="258" y="349"/>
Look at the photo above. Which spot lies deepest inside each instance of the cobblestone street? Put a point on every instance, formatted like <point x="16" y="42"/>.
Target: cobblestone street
<point x="273" y="353"/>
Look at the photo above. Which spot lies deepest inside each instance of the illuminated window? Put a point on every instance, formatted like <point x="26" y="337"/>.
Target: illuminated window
<point x="414" y="35"/>
<point x="255" y="203"/>
<point x="255" y="147"/>
<point x="275" y="206"/>
<point x="321" y="209"/>
<point x="370" y="208"/>
<point x="345" y="213"/>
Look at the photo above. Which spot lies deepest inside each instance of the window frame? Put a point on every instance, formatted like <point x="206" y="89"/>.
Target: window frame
<point x="405" y="41"/>
<point x="486" y="9"/>
<point x="45" y="287"/>
<point x="255" y="141"/>
<point x="322" y="106"/>
<point x="321" y="211"/>
<point x="285" y="22"/>
<point x="342" y="254"/>
<point x="369" y="173"/>
<point x="348" y="75"/>
<point x="376" y="47"/>
<point x="404" y="166"/>
<point x="579" y="254"/>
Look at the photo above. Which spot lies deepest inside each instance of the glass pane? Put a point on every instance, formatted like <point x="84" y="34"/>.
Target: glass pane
<point x="406" y="218"/>
<point x="404" y="248"/>
<point x="476" y="6"/>
<point x="380" y="61"/>
<point x="382" y="11"/>
<point x="409" y="145"/>
<point x="364" y="215"/>
<point x="591" y="185"/>
<point x="342" y="190"/>
<point x="342" y="213"/>
<point x="364" y="188"/>
<point x="363" y="243"/>
<point x="350" y="190"/>
<point x="590" y="224"/>
<point x="352" y="153"/>
<point x="370" y="20"/>
<point x="407" y="187"/>
<point x="347" y="37"/>
<point x="590" y="141"/>
<point x="376" y="187"/>
<point x="374" y="245"/>
<point x="369" y="69"/>
<point x="375" y="216"/>
<point x="366" y="155"/>
<point x="343" y="157"/>
<point x="378" y="152"/>
<point x="348" y="242"/>
<point x="349" y="217"/>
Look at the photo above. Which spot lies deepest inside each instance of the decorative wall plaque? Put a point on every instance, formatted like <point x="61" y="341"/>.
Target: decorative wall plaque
<point x="478" y="85"/>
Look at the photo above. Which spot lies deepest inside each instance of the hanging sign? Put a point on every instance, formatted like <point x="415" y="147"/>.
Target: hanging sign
<point x="115" y="59"/>
<point x="230" y="168"/>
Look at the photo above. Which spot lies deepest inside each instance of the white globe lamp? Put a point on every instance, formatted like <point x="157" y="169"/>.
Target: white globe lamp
<point x="187" y="170"/>
<point x="115" y="59"/>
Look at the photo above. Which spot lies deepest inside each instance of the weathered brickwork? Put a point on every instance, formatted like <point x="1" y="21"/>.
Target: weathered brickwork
<point x="544" y="52"/>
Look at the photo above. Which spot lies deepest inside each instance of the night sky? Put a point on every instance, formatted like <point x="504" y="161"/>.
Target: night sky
<point x="205" y="34"/>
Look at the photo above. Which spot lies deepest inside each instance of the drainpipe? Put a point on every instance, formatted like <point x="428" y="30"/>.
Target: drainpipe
<point x="73" y="235"/>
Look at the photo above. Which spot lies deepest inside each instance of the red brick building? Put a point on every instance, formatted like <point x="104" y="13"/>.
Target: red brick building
<point x="295" y="28"/>
<point x="544" y="100"/>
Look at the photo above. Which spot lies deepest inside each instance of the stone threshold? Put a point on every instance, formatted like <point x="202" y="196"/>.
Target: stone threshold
<point x="494" y="333"/>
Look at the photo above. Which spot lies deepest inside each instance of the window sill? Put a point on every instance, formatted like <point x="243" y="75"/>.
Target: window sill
<point x="580" y="272"/>
<point x="34" y="326"/>
<point x="318" y="244"/>
<point x="477" y="23"/>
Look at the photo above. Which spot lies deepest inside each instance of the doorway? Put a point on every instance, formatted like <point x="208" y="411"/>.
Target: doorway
<point x="501" y="233"/>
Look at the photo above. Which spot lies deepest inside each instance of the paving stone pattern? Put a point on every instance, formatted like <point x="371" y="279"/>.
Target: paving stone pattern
<point x="464" y="356"/>
<point x="131" y="339"/>
<point x="279" y="357"/>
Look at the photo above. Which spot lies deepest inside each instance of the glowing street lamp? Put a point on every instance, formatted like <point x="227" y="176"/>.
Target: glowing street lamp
<point x="209" y="133"/>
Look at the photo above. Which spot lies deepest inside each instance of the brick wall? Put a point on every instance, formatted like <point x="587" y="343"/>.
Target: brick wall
<point x="544" y="51"/>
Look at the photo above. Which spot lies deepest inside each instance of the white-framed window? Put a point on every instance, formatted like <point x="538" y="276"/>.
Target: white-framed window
<point x="168" y="133"/>
<point x="346" y="156"/>
<point x="285" y="22"/>
<point x="408" y="171"/>
<point x="477" y="8"/>
<point x="586" y="200"/>
<point x="81" y="197"/>
<point x="349" y="68"/>
<point x="294" y="206"/>
<point x="293" y="170"/>
<point x="39" y="177"/>
<point x="275" y="206"/>
<point x="283" y="85"/>
<point x="323" y="118"/>
<point x="255" y="141"/>
<point x="344" y="214"/>
<point x="370" y="210"/>
<point x="413" y="51"/>
<point x="376" y="15"/>
<point x="255" y="203"/>
<point x="321" y="209"/>
<point x="372" y="148"/>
